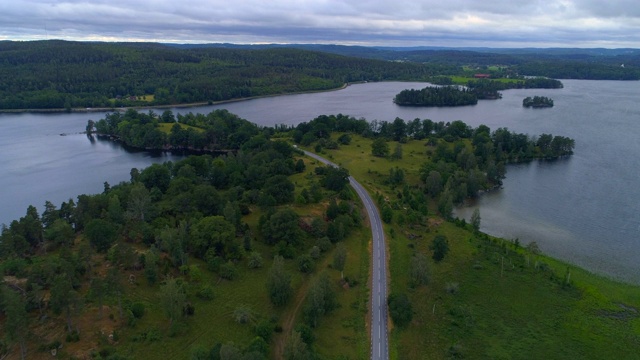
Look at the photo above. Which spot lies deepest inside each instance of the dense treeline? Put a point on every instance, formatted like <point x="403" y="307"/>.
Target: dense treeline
<point x="591" y="64"/>
<point x="166" y="214"/>
<point x="436" y="96"/>
<point x="489" y="89"/>
<point x="580" y="70"/>
<point x="61" y="74"/>
<point x="537" y="102"/>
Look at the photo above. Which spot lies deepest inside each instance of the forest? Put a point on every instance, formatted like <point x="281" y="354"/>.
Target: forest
<point x="66" y="75"/>
<point x="169" y="228"/>
<point x="558" y="63"/>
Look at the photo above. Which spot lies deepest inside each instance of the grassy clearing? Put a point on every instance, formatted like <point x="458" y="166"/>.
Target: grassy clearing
<point x="342" y="334"/>
<point x="489" y="299"/>
<point x="463" y="80"/>
<point x="166" y="127"/>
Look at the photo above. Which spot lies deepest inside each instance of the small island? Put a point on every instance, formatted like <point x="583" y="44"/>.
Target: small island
<point x="436" y="96"/>
<point x="537" y="102"/>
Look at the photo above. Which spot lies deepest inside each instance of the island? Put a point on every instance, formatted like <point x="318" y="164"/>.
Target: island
<point x="436" y="96"/>
<point x="537" y="102"/>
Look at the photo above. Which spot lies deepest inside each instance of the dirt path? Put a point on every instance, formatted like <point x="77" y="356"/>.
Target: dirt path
<point x="290" y="318"/>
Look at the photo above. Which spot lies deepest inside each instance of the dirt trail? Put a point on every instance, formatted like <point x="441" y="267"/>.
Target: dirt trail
<point x="289" y="319"/>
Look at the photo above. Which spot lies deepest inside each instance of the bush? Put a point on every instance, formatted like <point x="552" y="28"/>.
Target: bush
<point x="73" y="336"/>
<point x="199" y="352"/>
<point x="264" y="329"/>
<point x="306" y="264"/>
<point x="137" y="309"/>
<point x="440" y="247"/>
<point x="400" y="309"/>
<point x="452" y="287"/>
<point x="228" y="271"/>
<point x="255" y="260"/>
<point x="205" y="292"/>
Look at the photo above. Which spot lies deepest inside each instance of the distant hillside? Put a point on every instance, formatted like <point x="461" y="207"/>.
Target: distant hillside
<point x="565" y="63"/>
<point x="60" y="74"/>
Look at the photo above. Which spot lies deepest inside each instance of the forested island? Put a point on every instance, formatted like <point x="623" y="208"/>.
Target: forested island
<point x="537" y="102"/>
<point x="436" y="96"/>
<point x="478" y="89"/>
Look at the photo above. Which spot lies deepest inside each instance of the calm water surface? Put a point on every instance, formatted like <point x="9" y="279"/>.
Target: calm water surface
<point x="585" y="209"/>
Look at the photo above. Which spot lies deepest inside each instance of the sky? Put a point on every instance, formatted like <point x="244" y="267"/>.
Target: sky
<point x="451" y="23"/>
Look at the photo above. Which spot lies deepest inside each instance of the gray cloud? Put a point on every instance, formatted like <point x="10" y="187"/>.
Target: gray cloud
<point x="498" y="23"/>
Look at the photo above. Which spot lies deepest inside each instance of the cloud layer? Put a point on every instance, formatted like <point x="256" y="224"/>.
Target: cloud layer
<point x="497" y="23"/>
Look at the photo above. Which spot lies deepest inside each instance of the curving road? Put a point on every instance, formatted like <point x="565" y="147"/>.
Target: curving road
<point x="379" y="331"/>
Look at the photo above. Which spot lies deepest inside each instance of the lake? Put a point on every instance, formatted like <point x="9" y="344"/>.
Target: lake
<point x="584" y="209"/>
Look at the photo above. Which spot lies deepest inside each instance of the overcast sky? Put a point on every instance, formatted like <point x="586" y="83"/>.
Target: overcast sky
<point x="454" y="23"/>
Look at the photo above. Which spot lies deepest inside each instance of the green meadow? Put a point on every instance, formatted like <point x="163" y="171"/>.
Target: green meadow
<point x="490" y="298"/>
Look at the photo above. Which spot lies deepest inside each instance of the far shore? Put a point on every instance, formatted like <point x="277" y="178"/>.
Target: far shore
<point x="188" y="105"/>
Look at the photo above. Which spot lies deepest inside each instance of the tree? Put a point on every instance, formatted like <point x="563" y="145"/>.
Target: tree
<point x="65" y="299"/>
<point x="433" y="183"/>
<point x="379" y="148"/>
<point x="397" y="152"/>
<point x="445" y="204"/>
<point x="280" y="187"/>
<point x="475" y="219"/>
<point x="340" y="258"/>
<point x="16" y="325"/>
<point x="320" y="300"/>
<point x="212" y="232"/>
<point x="400" y="309"/>
<point x="386" y="213"/>
<point x="99" y="290"/>
<point x="172" y="299"/>
<point x="279" y="283"/>
<point x="101" y="234"/>
<point x="60" y="233"/>
<point x="255" y="260"/>
<point x="282" y="226"/>
<point x="50" y="214"/>
<point x="295" y="348"/>
<point x="440" y="247"/>
<point x="306" y="264"/>
<point x="419" y="270"/>
<point x="335" y="179"/>
<point x="138" y="203"/>
<point x="300" y="166"/>
<point x="156" y="175"/>
<point x="113" y="285"/>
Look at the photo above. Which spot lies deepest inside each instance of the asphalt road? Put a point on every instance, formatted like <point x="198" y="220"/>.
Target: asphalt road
<point x="379" y="329"/>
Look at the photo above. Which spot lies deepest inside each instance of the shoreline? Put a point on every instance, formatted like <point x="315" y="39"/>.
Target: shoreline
<point x="186" y="105"/>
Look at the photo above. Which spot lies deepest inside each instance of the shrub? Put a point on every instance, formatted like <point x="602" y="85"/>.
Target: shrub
<point x="400" y="309"/>
<point x="228" y="271"/>
<point x="205" y="292"/>
<point x="137" y="309"/>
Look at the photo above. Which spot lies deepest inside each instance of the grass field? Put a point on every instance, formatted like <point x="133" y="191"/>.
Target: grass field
<point x="166" y="127"/>
<point x="491" y="299"/>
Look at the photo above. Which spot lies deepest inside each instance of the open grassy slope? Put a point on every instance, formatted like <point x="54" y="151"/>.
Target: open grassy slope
<point x="490" y="298"/>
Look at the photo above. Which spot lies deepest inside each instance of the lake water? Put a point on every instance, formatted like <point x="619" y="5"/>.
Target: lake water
<point x="585" y="209"/>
